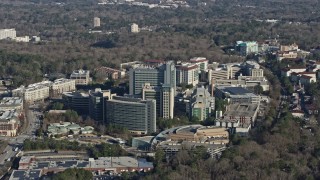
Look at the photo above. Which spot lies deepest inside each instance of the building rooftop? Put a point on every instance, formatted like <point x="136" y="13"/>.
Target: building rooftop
<point x="80" y="72"/>
<point x="198" y="59"/>
<point x="243" y="110"/>
<point x="234" y="90"/>
<point x="7" y="115"/>
<point x="101" y="162"/>
<point x="8" y="29"/>
<point x="76" y="94"/>
<point x="11" y="101"/>
<point x="187" y="66"/>
<point x="62" y="80"/>
<point x="145" y="138"/>
<point x="25" y="174"/>
<point x="306" y="77"/>
<point x="107" y="69"/>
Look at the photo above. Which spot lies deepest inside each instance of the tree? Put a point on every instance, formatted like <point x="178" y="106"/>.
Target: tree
<point x="194" y="119"/>
<point x="209" y="121"/>
<point x="258" y="89"/>
<point x="159" y="157"/>
<point x="220" y="104"/>
<point x="57" y="106"/>
<point x="73" y="174"/>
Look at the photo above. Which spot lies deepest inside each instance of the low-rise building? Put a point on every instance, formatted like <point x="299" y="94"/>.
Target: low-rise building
<point x="297" y="113"/>
<point x="236" y="95"/>
<point x="142" y="143"/>
<point x="63" y="128"/>
<point x="134" y="28"/>
<point x="62" y="85"/>
<point x="9" y="123"/>
<point x="8" y="33"/>
<point x="34" y="92"/>
<point x="305" y="80"/>
<point x="37" y="91"/>
<point x="202" y="63"/>
<point x="240" y="116"/>
<point x="292" y="47"/>
<point x="25" y="174"/>
<point x="22" y="39"/>
<point x="110" y="73"/>
<point x="287" y="55"/>
<point x="11" y="103"/>
<point x="228" y="71"/>
<point x="189" y="137"/>
<point x="252" y="68"/>
<point x="102" y="164"/>
<point x="286" y="72"/>
<point x="247" y="47"/>
<point x="82" y="77"/>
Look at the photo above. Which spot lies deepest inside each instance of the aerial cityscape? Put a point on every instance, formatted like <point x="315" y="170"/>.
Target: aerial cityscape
<point x="135" y="89"/>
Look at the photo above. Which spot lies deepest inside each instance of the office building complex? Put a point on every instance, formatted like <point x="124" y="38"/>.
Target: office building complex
<point x="190" y="137"/>
<point x="77" y="101"/>
<point x="152" y="92"/>
<point x="82" y="77"/>
<point x="8" y="33"/>
<point x="96" y="22"/>
<point x="97" y="104"/>
<point x="201" y="104"/>
<point x="156" y="76"/>
<point x="134" y="28"/>
<point x="62" y="85"/>
<point x="137" y="115"/>
<point x="202" y="63"/>
<point x="164" y="96"/>
<point x="167" y="101"/>
<point x="188" y="74"/>
<point x="237" y="95"/>
<point x="247" y="47"/>
<point x="248" y="82"/>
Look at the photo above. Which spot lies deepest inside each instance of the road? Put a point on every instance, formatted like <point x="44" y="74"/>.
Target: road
<point x="33" y="124"/>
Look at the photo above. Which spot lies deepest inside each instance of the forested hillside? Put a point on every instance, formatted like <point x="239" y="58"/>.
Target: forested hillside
<point x="177" y="34"/>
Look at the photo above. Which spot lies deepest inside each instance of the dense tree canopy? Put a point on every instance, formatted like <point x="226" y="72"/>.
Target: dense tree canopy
<point x="73" y="174"/>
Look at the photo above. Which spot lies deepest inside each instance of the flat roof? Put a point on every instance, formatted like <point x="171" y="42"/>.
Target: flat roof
<point x="101" y="162"/>
<point x="198" y="59"/>
<point x="7" y="115"/>
<point x="76" y="94"/>
<point x="80" y="72"/>
<point x="234" y="90"/>
<point x="62" y="80"/>
<point x="25" y="174"/>
<point x="10" y="101"/>
<point x="241" y="110"/>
